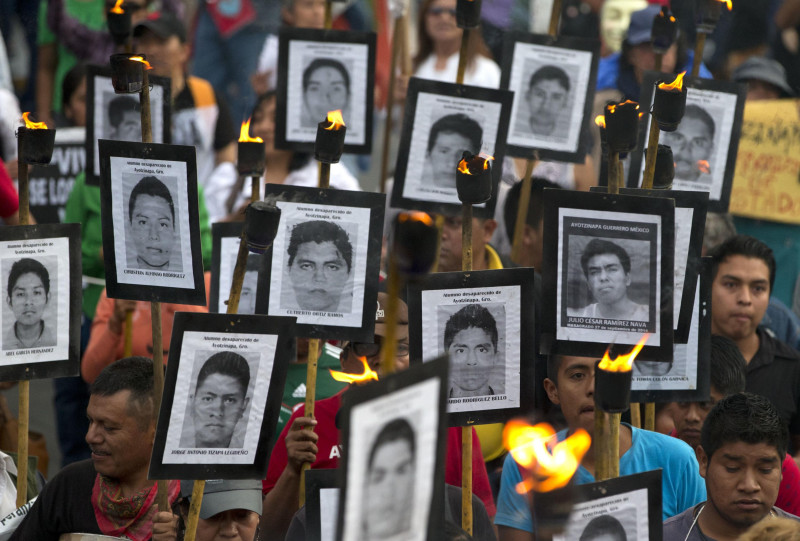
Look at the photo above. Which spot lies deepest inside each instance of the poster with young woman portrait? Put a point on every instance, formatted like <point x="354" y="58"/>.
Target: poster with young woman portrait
<point x="40" y="320"/>
<point x="321" y="71"/>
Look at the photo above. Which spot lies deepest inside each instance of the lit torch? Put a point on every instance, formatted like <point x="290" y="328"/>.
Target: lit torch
<point x="474" y="178"/>
<point x="35" y="142"/>
<point x="345" y="377"/>
<point x="665" y="30"/>
<point x="119" y="23"/>
<point x="329" y="144"/>
<point x="127" y="72"/>
<point x="669" y="103"/>
<point x="251" y="159"/>
<point x="622" y="125"/>
<point x="612" y="380"/>
<point x="550" y="467"/>
<point x="708" y="13"/>
<point x="468" y="13"/>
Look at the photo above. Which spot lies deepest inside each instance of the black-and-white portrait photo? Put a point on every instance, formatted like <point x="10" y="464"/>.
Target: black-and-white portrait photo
<point x="444" y="127"/>
<point x="479" y="325"/>
<point x="39" y="306"/>
<point x="318" y="263"/>
<point x="325" y="71"/>
<point x="247" y="299"/>
<point x="117" y="117"/>
<point x="553" y="88"/>
<point x="705" y="144"/>
<point x="391" y="456"/>
<point x="151" y="231"/>
<point x="621" y="509"/>
<point x="216" y="404"/>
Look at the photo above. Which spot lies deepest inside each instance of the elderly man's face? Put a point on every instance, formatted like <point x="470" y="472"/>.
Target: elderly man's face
<point x="318" y="274"/>
<point x="219" y="403"/>
<point x="28" y="299"/>
<point x="120" y="436"/>
<point x="692" y="145"/>
<point x="326" y="91"/>
<point x="153" y="231"/>
<point x="546" y="99"/>
<point x="445" y="155"/>
<point x="389" y="491"/>
<point x="473" y="356"/>
<point x="608" y="280"/>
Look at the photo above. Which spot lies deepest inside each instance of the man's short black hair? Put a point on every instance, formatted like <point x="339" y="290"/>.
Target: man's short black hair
<point x="744" y="417"/>
<point x="728" y="367"/>
<point x="226" y="363"/>
<point x="604" y="525"/>
<point x="318" y="63"/>
<point x="550" y="73"/>
<point x="600" y="246"/>
<point x="320" y="231"/>
<point x="472" y="315"/>
<point x="695" y="111"/>
<point x="24" y="266"/>
<point x="134" y="374"/>
<point x="154" y="187"/>
<point x="118" y="107"/>
<point x="462" y="125"/>
<point x="746" y="246"/>
<point x="396" y="430"/>
<point x="535" y="208"/>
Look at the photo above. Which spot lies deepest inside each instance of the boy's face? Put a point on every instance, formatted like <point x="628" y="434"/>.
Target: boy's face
<point x="444" y="156"/>
<point x="739" y="296"/>
<point x="546" y="99"/>
<point x="473" y="356"/>
<point x="742" y="481"/>
<point x="574" y="391"/>
<point x="691" y="143"/>
<point x="28" y="299"/>
<point x="689" y="417"/>
<point x="608" y="280"/>
<point x="319" y="274"/>
<point x="153" y="230"/>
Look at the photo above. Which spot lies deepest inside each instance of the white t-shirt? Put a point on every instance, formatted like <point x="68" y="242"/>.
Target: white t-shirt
<point x="268" y="60"/>
<point x="484" y="71"/>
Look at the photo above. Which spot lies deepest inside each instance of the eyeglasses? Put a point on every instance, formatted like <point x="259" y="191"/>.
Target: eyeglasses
<point x="678" y="141"/>
<point x="371" y="350"/>
<point x="435" y="12"/>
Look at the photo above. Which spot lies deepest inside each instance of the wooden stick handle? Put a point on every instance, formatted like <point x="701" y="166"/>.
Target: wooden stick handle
<point x="328" y="15"/>
<point x="466" y="237"/>
<point x="659" y="61"/>
<point x="462" y="56"/>
<point x="387" y="128"/>
<point x="466" y="479"/>
<point x="613" y="173"/>
<point x="144" y="106"/>
<point x="22" y="442"/>
<point x="522" y="212"/>
<point x="650" y="416"/>
<point x="127" y="348"/>
<point x="194" y="509"/>
<point x="311" y="394"/>
<point x="600" y="444"/>
<point x="652" y="152"/>
<point x="324" y="175"/>
<point x="388" y="354"/>
<point x="699" y="45"/>
<point x="613" y="444"/>
<point x="636" y="415"/>
<point x="555" y="15"/>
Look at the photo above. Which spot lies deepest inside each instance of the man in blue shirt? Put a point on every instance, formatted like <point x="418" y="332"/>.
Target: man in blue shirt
<point x="571" y="385"/>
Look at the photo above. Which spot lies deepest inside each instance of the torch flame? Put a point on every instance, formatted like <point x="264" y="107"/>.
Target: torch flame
<point x="729" y="3"/>
<point x="464" y="168"/>
<point x="143" y="61"/>
<point x="613" y="106"/>
<point x="600" y="120"/>
<point x="118" y="8"/>
<point x="623" y="363"/>
<point x="345" y="377"/>
<point x="33" y="125"/>
<point x="677" y="84"/>
<point x="703" y="166"/>
<point x="663" y="13"/>
<point x="551" y="467"/>
<point x="336" y="120"/>
<point x="415" y="216"/>
<point x="244" y="134"/>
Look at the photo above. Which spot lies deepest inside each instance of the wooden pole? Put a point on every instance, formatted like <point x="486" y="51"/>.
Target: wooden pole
<point x="613" y="173"/>
<point x="324" y="175"/>
<point x="613" y="444"/>
<point x="522" y="212"/>
<point x="650" y="416"/>
<point x="652" y="152"/>
<point x="462" y="56"/>
<point x="194" y="509"/>
<point x="659" y="61"/>
<point x="636" y="415"/>
<point x="328" y="15"/>
<point x="127" y="348"/>
<point x="698" y="53"/>
<point x="600" y="444"/>
<point x="466" y="431"/>
<point x="387" y="128"/>
<point x="555" y="15"/>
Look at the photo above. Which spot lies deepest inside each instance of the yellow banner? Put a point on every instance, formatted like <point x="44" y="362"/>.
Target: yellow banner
<point x="766" y="184"/>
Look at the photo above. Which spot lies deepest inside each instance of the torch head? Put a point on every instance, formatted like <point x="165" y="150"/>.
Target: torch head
<point x="665" y="168"/>
<point x="415" y="243"/>
<point x="622" y="125"/>
<point x="329" y="144"/>
<point x="468" y="13"/>
<point x="665" y="30"/>
<point x="474" y="178"/>
<point x="261" y="225"/>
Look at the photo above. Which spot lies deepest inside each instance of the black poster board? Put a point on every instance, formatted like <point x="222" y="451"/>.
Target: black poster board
<point x="49" y="185"/>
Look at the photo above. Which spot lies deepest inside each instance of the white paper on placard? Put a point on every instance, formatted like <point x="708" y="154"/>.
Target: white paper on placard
<point x="628" y="509"/>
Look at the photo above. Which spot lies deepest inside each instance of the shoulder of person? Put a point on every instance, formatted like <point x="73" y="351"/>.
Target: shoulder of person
<point x="676" y="528"/>
<point x="779" y="349"/>
<point x="667" y="446"/>
<point x="783" y="514"/>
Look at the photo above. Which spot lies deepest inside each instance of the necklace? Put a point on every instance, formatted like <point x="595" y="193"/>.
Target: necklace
<point x="697" y="516"/>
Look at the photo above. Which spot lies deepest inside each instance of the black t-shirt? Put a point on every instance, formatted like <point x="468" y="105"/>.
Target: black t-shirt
<point x="63" y="506"/>
<point x="774" y="373"/>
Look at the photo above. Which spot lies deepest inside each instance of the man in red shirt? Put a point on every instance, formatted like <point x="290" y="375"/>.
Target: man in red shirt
<point x="316" y="440"/>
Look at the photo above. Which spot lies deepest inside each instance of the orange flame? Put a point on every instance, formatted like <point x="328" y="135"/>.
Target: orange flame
<point x="551" y="467"/>
<point x="729" y="3"/>
<point x="143" y="61"/>
<point x="623" y="363"/>
<point x="118" y="7"/>
<point x="600" y="120"/>
<point x="336" y="120"/>
<point x="345" y="377"/>
<point x="33" y="125"/>
<point x="677" y="84"/>
<point x="244" y="134"/>
<point x="613" y="106"/>
<point x="663" y="13"/>
<point x="415" y="216"/>
<point x="464" y="168"/>
<point x="703" y="166"/>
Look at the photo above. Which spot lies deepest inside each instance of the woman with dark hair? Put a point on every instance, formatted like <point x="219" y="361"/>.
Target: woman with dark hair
<point x="283" y="166"/>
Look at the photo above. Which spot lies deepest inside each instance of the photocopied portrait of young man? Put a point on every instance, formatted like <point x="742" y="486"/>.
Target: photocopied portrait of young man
<point x="326" y="87"/>
<point x="31" y="297"/>
<point x="692" y="145"/>
<point x="548" y="92"/>
<point x="450" y="136"/>
<point x="152" y="227"/>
